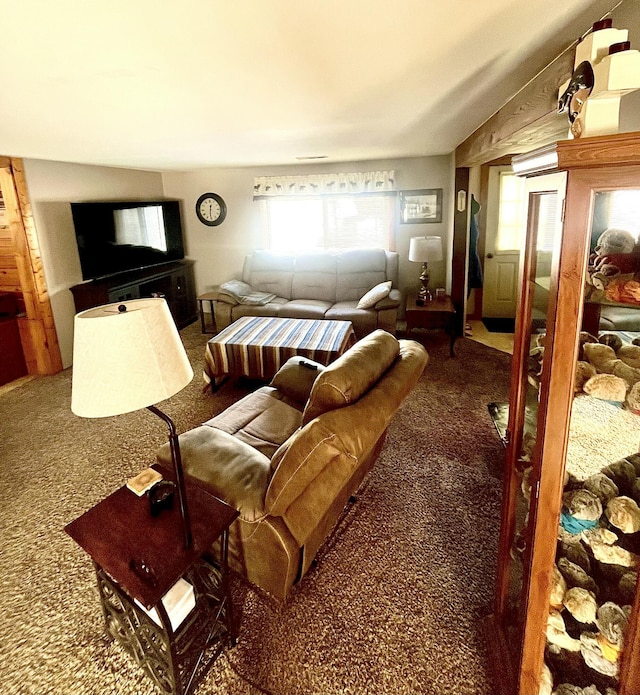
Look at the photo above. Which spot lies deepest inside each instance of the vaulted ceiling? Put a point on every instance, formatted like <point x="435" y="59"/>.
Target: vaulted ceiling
<point x="203" y="83"/>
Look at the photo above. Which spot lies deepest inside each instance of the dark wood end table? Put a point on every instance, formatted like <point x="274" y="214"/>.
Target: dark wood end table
<point x="138" y="558"/>
<point x="434" y="314"/>
<point x="211" y="298"/>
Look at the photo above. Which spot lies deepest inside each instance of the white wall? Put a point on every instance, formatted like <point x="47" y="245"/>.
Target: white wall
<point x="52" y="186"/>
<point x="219" y="251"/>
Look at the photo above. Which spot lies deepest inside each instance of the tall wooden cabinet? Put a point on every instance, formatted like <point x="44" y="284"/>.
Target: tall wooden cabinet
<point x="559" y="531"/>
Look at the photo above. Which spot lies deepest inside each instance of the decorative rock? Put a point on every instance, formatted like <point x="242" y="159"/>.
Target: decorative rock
<point x="525" y="485"/>
<point x="558" y="589"/>
<point x="630" y="354"/>
<point x="593" y="657"/>
<point x="624" y="371"/>
<point x="583" y="505"/>
<point x="568" y="689"/>
<point x="599" y="535"/>
<point x="613" y="340"/>
<point x="602" y="487"/>
<point x="606" y="387"/>
<point x="575" y="553"/>
<point x="597" y="354"/>
<point x="624" y="513"/>
<point x="584" y="372"/>
<point x="546" y="681"/>
<point x="613" y="555"/>
<point x="623" y="475"/>
<point x="635" y="490"/>
<point x="627" y="587"/>
<point x="581" y="604"/>
<point x="574" y="575"/>
<point x="612" y="622"/>
<point x="634" y="460"/>
<point x="633" y="398"/>
<point x="557" y="633"/>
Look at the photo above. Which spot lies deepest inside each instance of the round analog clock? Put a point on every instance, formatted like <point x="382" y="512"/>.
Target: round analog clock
<point x="211" y="209"/>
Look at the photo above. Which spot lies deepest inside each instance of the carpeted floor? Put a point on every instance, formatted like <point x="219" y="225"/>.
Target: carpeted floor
<point x="394" y="604"/>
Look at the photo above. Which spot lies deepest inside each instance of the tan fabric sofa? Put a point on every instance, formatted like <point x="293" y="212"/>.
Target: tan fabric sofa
<point x="316" y="285"/>
<point x="289" y="455"/>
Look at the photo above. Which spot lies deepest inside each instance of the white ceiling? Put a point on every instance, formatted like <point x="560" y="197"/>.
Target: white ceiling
<point x="200" y="83"/>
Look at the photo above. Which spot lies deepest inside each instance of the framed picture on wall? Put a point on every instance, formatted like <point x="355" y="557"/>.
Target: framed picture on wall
<point x="422" y="206"/>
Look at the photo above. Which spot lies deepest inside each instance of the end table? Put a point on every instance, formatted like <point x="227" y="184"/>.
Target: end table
<point x="435" y="313"/>
<point x="138" y="558"/>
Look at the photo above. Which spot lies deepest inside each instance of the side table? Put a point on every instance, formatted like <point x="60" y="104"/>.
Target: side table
<point x="138" y="559"/>
<point x="211" y="298"/>
<point x="436" y="313"/>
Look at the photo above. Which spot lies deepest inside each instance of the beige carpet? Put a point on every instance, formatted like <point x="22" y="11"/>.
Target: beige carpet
<point x="394" y="605"/>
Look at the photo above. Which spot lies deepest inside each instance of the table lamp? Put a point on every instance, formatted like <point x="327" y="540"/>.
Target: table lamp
<point x="128" y="356"/>
<point x="425" y="249"/>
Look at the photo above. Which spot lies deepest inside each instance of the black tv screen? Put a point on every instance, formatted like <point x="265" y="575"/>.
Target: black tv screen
<point x="113" y="237"/>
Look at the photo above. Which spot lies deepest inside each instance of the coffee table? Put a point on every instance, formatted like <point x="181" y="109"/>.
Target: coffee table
<point x="257" y="346"/>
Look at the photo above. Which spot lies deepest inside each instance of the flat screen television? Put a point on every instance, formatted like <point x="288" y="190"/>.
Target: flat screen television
<point x="114" y="237"/>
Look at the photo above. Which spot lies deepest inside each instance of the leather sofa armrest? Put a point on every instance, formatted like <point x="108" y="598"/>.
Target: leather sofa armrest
<point x="391" y="301"/>
<point x="225" y="466"/>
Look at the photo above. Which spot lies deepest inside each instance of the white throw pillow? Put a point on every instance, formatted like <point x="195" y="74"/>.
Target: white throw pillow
<point x="374" y="295"/>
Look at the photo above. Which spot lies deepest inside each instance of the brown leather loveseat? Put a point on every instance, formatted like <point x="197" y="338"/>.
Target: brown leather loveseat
<point x="289" y="455"/>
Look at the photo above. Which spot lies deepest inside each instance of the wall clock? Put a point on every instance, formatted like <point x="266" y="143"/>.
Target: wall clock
<point x="211" y="209"/>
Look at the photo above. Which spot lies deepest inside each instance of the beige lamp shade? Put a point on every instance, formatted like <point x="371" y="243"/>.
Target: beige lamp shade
<point x="124" y="360"/>
<point x="425" y="249"/>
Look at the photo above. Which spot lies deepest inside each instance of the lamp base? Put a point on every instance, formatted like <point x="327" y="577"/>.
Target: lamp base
<point x="424" y="294"/>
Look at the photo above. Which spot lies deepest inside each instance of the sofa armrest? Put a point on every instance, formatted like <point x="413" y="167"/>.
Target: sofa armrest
<point x="296" y="377"/>
<point x="225" y="466"/>
<point x="391" y="301"/>
<point x="219" y="295"/>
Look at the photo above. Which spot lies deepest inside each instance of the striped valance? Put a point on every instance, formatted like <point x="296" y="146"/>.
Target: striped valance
<point x="325" y="184"/>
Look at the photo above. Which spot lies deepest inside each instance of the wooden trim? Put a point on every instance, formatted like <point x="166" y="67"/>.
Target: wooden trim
<point x="609" y="150"/>
<point x="460" y="245"/>
<point x="526" y="121"/>
<point x="499" y="657"/>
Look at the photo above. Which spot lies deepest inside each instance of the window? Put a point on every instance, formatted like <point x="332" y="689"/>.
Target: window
<point x="345" y="221"/>
<point x="512" y="212"/>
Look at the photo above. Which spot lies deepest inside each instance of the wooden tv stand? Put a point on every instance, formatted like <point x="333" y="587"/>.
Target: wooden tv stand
<point x="174" y="281"/>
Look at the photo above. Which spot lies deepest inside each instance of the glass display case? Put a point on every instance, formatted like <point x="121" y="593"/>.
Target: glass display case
<point x="566" y="603"/>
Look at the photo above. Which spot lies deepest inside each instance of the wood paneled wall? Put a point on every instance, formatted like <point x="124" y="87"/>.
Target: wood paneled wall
<point x="21" y="272"/>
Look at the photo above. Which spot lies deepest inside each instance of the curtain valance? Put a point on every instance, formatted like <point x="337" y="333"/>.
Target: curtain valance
<point x="325" y="184"/>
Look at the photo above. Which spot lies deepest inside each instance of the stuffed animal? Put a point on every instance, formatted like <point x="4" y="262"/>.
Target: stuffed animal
<point x="614" y="241"/>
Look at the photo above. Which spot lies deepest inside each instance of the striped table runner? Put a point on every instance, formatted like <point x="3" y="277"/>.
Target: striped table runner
<point x="257" y="346"/>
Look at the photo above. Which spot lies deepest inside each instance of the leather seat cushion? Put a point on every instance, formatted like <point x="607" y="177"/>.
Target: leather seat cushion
<point x="259" y="420"/>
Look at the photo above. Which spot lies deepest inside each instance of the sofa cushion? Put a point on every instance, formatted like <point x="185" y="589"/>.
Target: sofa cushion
<point x="270" y="272"/>
<point x="314" y="277"/>
<point x="228" y="468"/>
<point x="295" y="378"/>
<point x="304" y="309"/>
<point x="352" y="374"/>
<point x="259" y="420"/>
<point x="358" y="271"/>
<point x="374" y="295"/>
